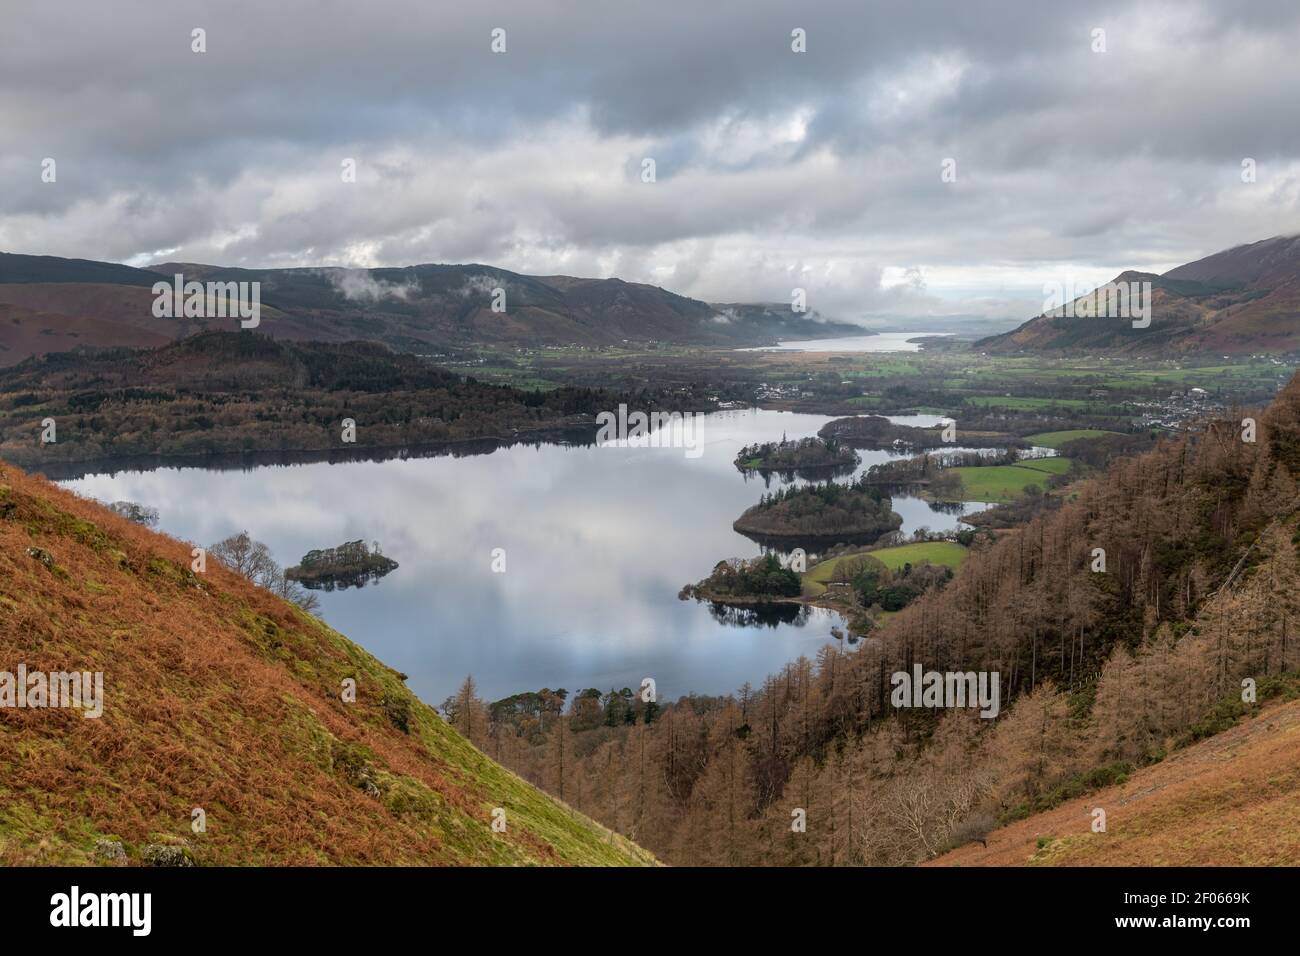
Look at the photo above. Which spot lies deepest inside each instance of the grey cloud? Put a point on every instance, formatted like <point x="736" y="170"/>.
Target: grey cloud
<point x="821" y="166"/>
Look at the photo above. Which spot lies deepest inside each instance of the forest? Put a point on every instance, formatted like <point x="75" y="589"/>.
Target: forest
<point x="221" y="393"/>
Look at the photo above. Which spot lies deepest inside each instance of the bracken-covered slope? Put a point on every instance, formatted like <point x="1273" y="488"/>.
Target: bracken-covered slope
<point x="1242" y="301"/>
<point x="220" y="696"/>
<point x="1231" y="800"/>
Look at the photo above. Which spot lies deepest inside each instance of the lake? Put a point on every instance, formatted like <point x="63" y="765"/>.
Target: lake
<point x="881" y="342"/>
<point x="598" y="541"/>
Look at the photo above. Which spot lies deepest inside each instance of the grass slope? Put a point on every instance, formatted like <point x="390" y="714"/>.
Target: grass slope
<point x="1230" y="800"/>
<point x="1008" y="482"/>
<point x="1027" y="404"/>
<point x="1057" y="439"/>
<point x="936" y="552"/>
<point x="220" y="696"/>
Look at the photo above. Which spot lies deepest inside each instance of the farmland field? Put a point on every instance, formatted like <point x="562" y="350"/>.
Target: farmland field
<point x="947" y="553"/>
<point x="1007" y="482"/>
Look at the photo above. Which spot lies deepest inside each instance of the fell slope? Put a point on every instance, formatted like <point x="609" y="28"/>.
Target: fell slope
<point x="1244" y="300"/>
<point x="1231" y="800"/>
<point x="220" y="696"/>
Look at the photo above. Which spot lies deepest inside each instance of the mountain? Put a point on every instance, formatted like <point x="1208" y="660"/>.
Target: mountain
<point x="1242" y="301"/>
<point x="49" y="304"/>
<point x="219" y="696"/>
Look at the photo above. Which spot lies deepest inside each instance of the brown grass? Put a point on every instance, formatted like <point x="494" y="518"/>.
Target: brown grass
<point x="1230" y="800"/>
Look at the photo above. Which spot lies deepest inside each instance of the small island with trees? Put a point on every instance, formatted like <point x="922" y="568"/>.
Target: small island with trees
<point x="349" y="565"/>
<point x="819" y="515"/>
<point x="737" y="581"/>
<point x="802" y="456"/>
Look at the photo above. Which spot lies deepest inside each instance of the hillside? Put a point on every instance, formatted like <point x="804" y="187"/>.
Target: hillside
<point x="1231" y="800"/>
<point x="1241" y="301"/>
<point x="236" y="393"/>
<point x="49" y="304"/>
<point x="219" y="696"/>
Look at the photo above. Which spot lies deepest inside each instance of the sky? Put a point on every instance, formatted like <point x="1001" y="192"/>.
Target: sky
<point x="915" y="160"/>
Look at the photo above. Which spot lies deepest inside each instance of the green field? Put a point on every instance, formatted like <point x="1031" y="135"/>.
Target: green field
<point x="1022" y="404"/>
<point x="1057" y="439"/>
<point x="948" y="553"/>
<point x="505" y="375"/>
<point x="1008" y="482"/>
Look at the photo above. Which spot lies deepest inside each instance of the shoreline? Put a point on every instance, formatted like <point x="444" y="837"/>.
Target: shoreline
<point x="246" y="460"/>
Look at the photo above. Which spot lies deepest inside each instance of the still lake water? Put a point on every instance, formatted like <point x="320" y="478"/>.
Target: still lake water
<point x="597" y="540"/>
<point x="881" y="342"/>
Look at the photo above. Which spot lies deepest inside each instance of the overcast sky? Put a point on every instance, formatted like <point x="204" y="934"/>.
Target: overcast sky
<point x="774" y="169"/>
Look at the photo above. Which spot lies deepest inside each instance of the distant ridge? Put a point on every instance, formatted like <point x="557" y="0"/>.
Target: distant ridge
<point x="1244" y="300"/>
<point x="48" y="304"/>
